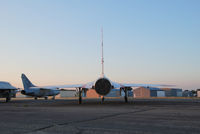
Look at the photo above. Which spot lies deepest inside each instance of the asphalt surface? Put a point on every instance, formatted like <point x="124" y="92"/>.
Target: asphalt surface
<point x="149" y="116"/>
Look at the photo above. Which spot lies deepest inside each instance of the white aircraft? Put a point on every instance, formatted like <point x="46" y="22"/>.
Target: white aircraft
<point x="7" y="90"/>
<point x="103" y="85"/>
<point x="36" y="91"/>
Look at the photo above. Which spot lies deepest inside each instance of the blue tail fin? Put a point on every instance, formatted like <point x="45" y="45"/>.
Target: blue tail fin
<point x="26" y="82"/>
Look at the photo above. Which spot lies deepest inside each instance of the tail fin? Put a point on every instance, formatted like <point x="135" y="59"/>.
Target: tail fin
<point x="102" y="58"/>
<point x="26" y="82"/>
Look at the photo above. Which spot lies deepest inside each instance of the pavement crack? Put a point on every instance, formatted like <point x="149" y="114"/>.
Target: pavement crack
<point x="104" y="117"/>
<point x="88" y="120"/>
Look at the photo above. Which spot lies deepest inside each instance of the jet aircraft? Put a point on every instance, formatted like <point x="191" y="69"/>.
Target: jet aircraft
<point x="103" y="85"/>
<point x="38" y="91"/>
<point x="7" y="90"/>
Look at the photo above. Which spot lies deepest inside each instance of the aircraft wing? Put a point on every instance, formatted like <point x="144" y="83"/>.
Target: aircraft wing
<point x="6" y="86"/>
<point x="121" y="85"/>
<point x="87" y="85"/>
<point x="115" y="85"/>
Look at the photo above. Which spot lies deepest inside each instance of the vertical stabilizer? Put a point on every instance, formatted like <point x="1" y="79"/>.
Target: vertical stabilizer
<point x="26" y="82"/>
<point x="102" y="58"/>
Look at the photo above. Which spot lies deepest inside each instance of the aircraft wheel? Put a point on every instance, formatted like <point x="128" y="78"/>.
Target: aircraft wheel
<point x="126" y="95"/>
<point x="8" y="99"/>
<point x="102" y="99"/>
<point x="126" y="99"/>
<point x="80" y="96"/>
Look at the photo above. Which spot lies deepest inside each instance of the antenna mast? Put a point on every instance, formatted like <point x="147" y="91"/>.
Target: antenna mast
<point x="102" y="58"/>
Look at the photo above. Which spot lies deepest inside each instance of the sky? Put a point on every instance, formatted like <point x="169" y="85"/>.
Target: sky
<point x="59" y="41"/>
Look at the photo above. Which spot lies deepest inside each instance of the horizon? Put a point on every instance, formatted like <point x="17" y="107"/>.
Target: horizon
<point x="59" y="42"/>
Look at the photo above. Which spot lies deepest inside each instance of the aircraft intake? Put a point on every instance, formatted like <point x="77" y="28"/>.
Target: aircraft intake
<point x="23" y="92"/>
<point x="103" y="86"/>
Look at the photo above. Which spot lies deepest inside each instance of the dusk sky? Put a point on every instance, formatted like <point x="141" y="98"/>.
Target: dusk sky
<point x="59" y="41"/>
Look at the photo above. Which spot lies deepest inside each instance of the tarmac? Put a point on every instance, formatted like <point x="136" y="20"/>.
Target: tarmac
<point x="63" y="116"/>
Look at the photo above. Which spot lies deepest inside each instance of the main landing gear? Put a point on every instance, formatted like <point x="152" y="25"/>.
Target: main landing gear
<point x="102" y="99"/>
<point x="126" y="94"/>
<point x="8" y="97"/>
<point x="80" y="95"/>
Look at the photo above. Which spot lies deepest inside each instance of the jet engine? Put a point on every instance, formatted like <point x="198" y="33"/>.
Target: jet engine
<point x="103" y="86"/>
<point x="23" y="92"/>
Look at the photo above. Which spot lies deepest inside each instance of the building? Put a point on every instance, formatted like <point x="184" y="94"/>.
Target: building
<point x="172" y="92"/>
<point x="141" y="92"/>
<point x="114" y="93"/>
<point x="130" y="93"/>
<point x="157" y="93"/>
<point x="67" y="93"/>
<point x="198" y="92"/>
<point x="91" y="93"/>
<point x="187" y="93"/>
<point x="146" y="92"/>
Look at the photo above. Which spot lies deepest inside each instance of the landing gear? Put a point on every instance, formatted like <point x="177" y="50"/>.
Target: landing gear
<point x="80" y="95"/>
<point x="46" y="98"/>
<point x="126" y="98"/>
<point x="8" y="97"/>
<point x="35" y="98"/>
<point x="102" y="99"/>
<point x="126" y="95"/>
<point x="53" y="98"/>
